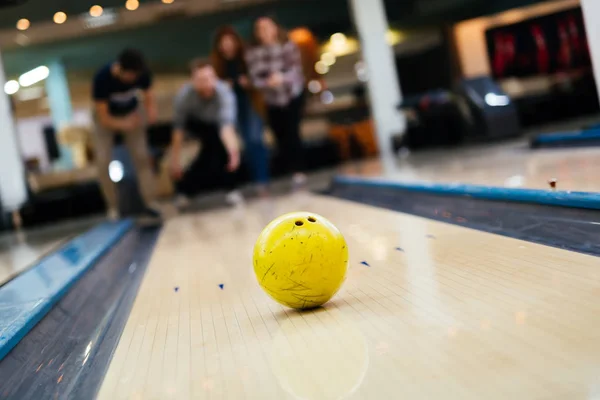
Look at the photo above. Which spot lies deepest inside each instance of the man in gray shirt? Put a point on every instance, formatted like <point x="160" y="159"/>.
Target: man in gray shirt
<point x="205" y="109"/>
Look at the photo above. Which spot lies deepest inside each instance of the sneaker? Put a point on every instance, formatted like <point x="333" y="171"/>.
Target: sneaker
<point x="181" y="201"/>
<point x="150" y="212"/>
<point x="234" y="198"/>
<point x="113" y="214"/>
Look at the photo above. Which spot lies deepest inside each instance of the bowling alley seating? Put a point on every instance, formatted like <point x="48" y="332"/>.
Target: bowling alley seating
<point x="434" y="119"/>
<point x="355" y="141"/>
<point x="59" y="194"/>
<point x="78" y="139"/>
<point x="569" y="97"/>
<point x="351" y="129"/>
<point x="64" y="193"/>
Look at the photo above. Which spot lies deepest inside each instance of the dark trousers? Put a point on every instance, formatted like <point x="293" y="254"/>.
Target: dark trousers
<point x="250" y="126"/>
<point x="285" y="124"/>
<point x="208" y="171"/>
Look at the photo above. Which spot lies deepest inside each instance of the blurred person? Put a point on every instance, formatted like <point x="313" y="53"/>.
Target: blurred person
<point x="205" y="109"/>
<point x="118" y="110"/>
<point x="228" y="59"/>
<point x="275" y="68"/>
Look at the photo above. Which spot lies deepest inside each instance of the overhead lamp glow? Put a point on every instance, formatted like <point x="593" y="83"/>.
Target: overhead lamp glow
<point x="361" y="71"/>
<point x="321" y="68"/>
<point x="393" y="37"/>
<point x="338" y="39"/>
<point x="132" y="5"/>
<point x="96" y="11"/>
<point x="314" y="86"/>
<point x="34" y="76"/>
<point x="327" y="97"/>
<point x="168" y="1"/>
<point x="23" y="24"/>
<point x="328" y="58"/>
<point x="60" y="18"/>
<point x="11" y="87"/>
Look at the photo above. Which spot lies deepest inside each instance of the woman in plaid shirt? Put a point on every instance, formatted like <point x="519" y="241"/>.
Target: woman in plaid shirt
<point x="275" y="68"/>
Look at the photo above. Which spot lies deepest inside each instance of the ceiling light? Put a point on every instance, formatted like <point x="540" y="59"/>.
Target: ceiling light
<point x="393" y="37"/>
<point x="60" y="17"/>
<point x="23" y="24"/>
<point x="314" y="86"/>
<point x="328" y="58"/>
<point x="96" y="11"/>
<point x="168" y="1"/>
<point x="132" y="5"/>
<point x="338" y="39"/>
<point x="327" y="97"/>
<point x="321" y="68"/>
<point x="34" y="76"/>
<point x="11" y="87"/>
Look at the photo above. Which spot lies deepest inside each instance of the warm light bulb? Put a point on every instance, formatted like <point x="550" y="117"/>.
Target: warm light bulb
<point x="96" y="11"/>
<point x="168" y="1"/>
<point x="393" y="37"/>
<point x="23" y="24"/>
<point x="328" y="58"/>
<point x="321" y="68"/>
<point x="132" y="5"/>
<point x="60" y="17"/>
<point x="338" y="39"/>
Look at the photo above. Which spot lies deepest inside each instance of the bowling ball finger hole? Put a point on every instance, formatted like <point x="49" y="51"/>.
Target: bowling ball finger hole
<point x="312" y="219"/>
<point x="299" y="223"/>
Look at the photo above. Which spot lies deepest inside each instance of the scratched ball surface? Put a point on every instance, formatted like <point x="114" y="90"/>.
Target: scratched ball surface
<point x="300" y="260"/>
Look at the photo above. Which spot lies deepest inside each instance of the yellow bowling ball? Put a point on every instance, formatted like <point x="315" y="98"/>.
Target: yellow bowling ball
<point x="300" y="260"/>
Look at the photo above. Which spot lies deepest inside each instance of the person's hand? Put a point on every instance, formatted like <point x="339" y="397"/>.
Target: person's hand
<point x="244" y="81"/>
<point x="234" y="161"/>
<point x="130" y="122"/>
<point x="152" y="112"/>
<point x="176" y="169"/>
<point x="275" y="80"/>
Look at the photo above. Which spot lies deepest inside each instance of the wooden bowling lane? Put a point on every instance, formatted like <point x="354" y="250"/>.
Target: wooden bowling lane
<point x="428" y="311"/>
<point x="504" y="165"/>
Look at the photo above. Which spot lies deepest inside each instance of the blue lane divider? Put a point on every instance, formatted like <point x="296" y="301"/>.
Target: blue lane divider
<point x="566" y="137"/>
<point x="25" y="300"/>
<point x="555" y="198"/>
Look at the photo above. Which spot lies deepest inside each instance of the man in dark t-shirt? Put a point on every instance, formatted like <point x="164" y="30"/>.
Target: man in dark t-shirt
<point x="118" y="110"/>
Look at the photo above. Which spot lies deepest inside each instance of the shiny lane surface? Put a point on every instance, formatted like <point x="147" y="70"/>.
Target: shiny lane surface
<point x="25" y="300"/>
<point x="508" y="165"/>
<point x="429" y="310"/>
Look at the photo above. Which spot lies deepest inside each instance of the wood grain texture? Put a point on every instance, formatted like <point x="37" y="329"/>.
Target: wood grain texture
<point x="504" y="165"/>
<point x="440" y="312"/>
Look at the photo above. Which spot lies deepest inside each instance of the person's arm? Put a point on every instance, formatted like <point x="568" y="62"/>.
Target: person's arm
<point x="227" y="119"/>
<point x="178" y="135"/>
<point x="254" y="69"/>
<point x="230" y="142"/>
<point x="104" y="117"/>
<point x="150" y="105"/>
<point x="101" y="99"/>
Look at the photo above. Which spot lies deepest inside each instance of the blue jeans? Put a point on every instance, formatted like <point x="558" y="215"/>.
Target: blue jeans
<point x="252" y="130"/>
